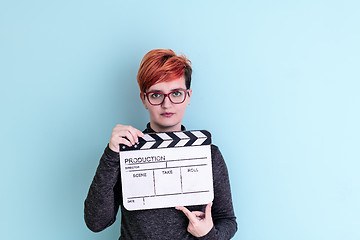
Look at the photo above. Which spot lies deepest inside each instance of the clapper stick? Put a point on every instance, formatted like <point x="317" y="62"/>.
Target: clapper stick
<point x="170" y="139"/>
<point x="167" y="170"/>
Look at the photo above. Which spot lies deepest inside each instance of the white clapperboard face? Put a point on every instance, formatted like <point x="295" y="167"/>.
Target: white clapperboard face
<point x="167" y="170"/>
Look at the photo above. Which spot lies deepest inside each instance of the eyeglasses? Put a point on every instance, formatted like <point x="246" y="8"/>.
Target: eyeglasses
<point x="157" y="98"/>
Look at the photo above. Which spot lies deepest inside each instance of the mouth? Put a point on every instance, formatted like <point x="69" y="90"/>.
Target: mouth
<point x="167" y="114"/>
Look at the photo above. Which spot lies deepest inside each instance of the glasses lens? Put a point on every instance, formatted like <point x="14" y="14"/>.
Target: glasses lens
<point x="177" y="96"/>
<point x="155" y="98"/>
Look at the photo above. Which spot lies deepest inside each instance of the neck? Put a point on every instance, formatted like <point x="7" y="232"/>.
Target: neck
<point x="156" y="128"/>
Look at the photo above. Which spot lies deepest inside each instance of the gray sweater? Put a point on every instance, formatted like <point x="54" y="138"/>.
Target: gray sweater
<point x="105" y="197"/>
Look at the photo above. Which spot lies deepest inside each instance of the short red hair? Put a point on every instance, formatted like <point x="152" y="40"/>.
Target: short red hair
<point x="163" y="65"/>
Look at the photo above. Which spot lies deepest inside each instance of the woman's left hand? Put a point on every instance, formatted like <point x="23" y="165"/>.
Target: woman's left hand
<point x="199" y="223"/>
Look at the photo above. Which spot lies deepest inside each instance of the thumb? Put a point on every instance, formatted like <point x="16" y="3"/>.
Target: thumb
<point x="208" y="211"/>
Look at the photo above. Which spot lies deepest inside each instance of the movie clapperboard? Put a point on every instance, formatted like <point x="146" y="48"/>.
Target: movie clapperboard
<point x="167" y="170"/>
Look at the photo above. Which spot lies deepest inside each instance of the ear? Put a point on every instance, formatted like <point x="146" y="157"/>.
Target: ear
<point x="189" y="96"/>
<point x="142" y="97"/>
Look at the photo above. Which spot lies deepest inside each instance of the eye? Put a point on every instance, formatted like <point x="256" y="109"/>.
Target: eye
<point x="177" y="93"/>
<point x="155" y="95"/>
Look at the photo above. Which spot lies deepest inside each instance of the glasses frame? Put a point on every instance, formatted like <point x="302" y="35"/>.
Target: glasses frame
<point x="146" y="94"/>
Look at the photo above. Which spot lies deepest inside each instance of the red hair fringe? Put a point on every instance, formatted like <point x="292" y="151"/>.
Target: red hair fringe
<point x="162" y="65"/>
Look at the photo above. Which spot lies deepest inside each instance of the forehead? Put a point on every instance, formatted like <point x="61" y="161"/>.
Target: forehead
<point x="168" y="86"/>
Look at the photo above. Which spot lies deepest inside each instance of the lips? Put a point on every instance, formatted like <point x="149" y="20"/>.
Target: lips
<point x="167" y="114"/>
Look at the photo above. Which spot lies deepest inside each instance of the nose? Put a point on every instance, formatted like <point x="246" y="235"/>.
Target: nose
<point x="166" y="103"/>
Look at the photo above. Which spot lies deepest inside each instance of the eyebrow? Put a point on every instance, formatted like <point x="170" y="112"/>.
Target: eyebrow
<point x="175" y="89"/>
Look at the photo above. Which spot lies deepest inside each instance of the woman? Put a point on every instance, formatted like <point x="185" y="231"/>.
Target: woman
<point x="164" y="79"/>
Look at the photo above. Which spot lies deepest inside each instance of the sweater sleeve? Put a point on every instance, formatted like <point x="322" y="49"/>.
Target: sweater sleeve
<point x="104" y="196"/>
<point x="222" y="210"/>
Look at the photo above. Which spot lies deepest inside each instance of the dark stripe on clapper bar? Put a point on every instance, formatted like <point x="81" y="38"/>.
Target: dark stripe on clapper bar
<point x="158" y="141"/>
<point x="141" y="143"/>
<point x="208" y="137"/>
<point x="175" y="138"/>
<point x="192" y="137"/>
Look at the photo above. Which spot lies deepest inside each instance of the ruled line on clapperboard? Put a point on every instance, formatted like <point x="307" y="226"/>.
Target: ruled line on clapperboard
<point x="195" y="156"/>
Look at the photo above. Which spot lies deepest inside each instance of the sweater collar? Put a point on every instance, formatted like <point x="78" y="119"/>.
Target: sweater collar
<point x="150" y="130"/>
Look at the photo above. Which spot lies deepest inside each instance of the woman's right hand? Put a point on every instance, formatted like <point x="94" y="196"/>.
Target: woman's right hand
<point x="122" y="134"/>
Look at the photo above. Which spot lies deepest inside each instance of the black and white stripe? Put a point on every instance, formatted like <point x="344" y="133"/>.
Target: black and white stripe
<point x="170" y="139"/>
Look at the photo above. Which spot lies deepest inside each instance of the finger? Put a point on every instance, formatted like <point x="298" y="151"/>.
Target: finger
<point x="130" y="137"/>
<point x="118" y="128"/>
<point x="139" y="133"/>
<point x="199" y="214"/>
<point x="208" y="211"/>
<point x="135" y="133"/>
<point x="128" y="133"/>
<point x="122" y="137"/>
<point x="124" y="141"/>
<point x="192" y="218"/>
<point x="115" y="142"/>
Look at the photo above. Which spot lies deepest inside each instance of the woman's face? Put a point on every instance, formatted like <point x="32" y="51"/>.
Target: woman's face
<point x="167" y="117"/>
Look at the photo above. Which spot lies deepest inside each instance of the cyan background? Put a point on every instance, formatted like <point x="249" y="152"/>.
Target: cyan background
<point x="276" y="82"/>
